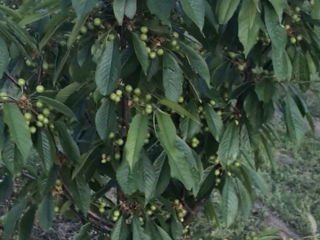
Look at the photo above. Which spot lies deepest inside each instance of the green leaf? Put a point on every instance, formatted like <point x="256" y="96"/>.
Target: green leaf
<point x="226" y="9"/>
<point x="188" y="127"/>
<point x="108" y="69"/>
<point x="66" y="92"/>
<point x="281" y="64"/>
<point x="45" y="212"/>
<point x="278" y="6"/>
<point x="126" y="178"/>
<point x="26" y="224"/>
<point x="82" y="7"/>
<point x="46" y="149"/>
<point x="161" y="9"/>
<point x="81" y="193"/>
<point x="4" y="57"/>
<point x="11" y="219"/>
<point x="172" y="78"/>
<point x="248" y="25"/>
<point x="195" y="10"/>
<point x="315" y="13"/>
<point x="265" y="89"/>
<point x="6" y="187"/>
<point x="58" y="106"/>
<point x="9" y="157"/>
<point x="120" y="230"/>
<point x="136" y="137"/>
<point x="69" y="146"/>
<point x="179" y="109"/>
<point x="182" y="163"/>
<point x="229" y="202"/>
<point x="164" y="235"/>
<point x="277" y="33"/>
<point x="300" y="67"/>
<point x="138" y="232"/>
<point x="294" y="120"/>
<point x="229" y="144"/>
<point x="124" y="7"/>
<point x="245" y="203"/>
<point x="83" y="234"/>
<point x="106" y="119"/>
<point x="214" y="122"/>
<point x="18" y="128"/>
<point x="197" y="62"/>
<point x="141" y="52"/>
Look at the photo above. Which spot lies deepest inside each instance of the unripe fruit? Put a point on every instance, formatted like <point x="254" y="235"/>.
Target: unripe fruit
<point x="46" y="111"/>
<point x="33" y="130"/>
<point x="83" y="30"/>
<point x="217" y="172"/>
<point x="56" y="209"/>
<point x="287" y="26"/>
<point x="175" y="35"/>
<point x="237" y="164"/>
<point x="28" y="116"/>
<point x="241" y="67"/>
<point x="21" y="82"/>
<point x="177" y="48"/>
<point x="101" y="210"/>
<point x="297" y="9"/>
<point x="111" y="37"/>
<point x="103" y="161"/>
<point x="28" y="63"/>
<point x="149" y="212"/>
<point x="212" y="102"/>
<point x="218" y="180"/>
<point x="51" y="126"/>
<point x="153" y="207"/>
<point x="236" y="122"/>
<point x="141" y="220"/>
<point x="219" y="113"/>
<point x="160" y="52"/>
<point x="119" y="93"/>
<point x="293" y="40"/>
<point x="117" y="156"/>
<point x="136" y="99"/>
<point x="299" y="38"/>
<point x="148" y="50"/>
<point x="39" y="104"/>
<point x="152" y="55"/>
<point x="111" y="135"/>
<point x="148" y="109"/>
<point x="113" y="97"/>
<point x="118" y="99"/>
<point x="45" y="120"/>
<point x="148" y="97"/>
<point x="45" y="66"/>
<point x="40" y="89"/>
<point x="176" y="202"/>
<point x="129" y="88"/>
<point x="120" y="142"/>
<point x="137" y="91"/>
<point x="181" y="100"/>
<point x="116" y="213"/>
<point x="90" y="25"/>
<point x="144" y="29"/>
<point x="40" y="117"/>
<point x="97" y="22"/>
<point x="174" y="42"/>
<point x="181" y="219"/>
<point x="115" y="219"/>
<point x="143" y="37"/>
<point x="229" y="174"/>
<point x="232" y="55"/>
<point x="39" y="124"/>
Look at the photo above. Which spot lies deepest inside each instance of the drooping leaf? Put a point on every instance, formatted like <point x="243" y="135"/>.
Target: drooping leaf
<point x="141" y="52"/>
<point x="136" y="137"/>
<point x="82" y="7"/>
<point x="278" y="6"/>
<point x="124" y="7"/>
<point x="18" y="128"/>
<point x="229" y="203"/>
<point x="26" y="223"/>
<point x="189" y="127"/>
<point x="46" y="149"/>
<point x="138" y="232"/>
<point x="172" y="78"/>
<point x="126" y="178"/>
<point x="120" y="230"/>
<point x="83" y="234"/>
<point x="108" y="69"/>
<point x="45" y="212"/>
<point x="195" y="10"/>
<point x="226" y="9"/>
<point x="214" y="122"/>
<point x="161" y="9"/>
<point x="6" y="187"/>
<point x="4" y="56"/>
<point x="81" y="193"/>
<point x="106" y="119"/>
<point x="281" y="64"/>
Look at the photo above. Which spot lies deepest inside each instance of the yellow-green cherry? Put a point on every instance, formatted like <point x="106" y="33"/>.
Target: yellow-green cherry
<point x="160" y="52"/>
<point x="152" y="55"/>
<point x="97" y="22"/>
<point x="144" y="29"/>
<point x="40" y="89"/>
<point x="143" y="37"/>
<point x="21" y="82"/>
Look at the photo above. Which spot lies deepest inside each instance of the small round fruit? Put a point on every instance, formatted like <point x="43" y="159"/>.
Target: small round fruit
<point x="241" y="67"/>
<point x="237" y="164"/>
<point x="40" y="117"/>
<point x="21" y="82"/>
<point x="46" y="111"/>
<point x="40" y="89"/>
<point x="148" y="109"/>
<point x="39" y="104"/>
<point x="181" y="219"/>
<point x="293" y="40"/>
<point x="58" y="182"/>
<point x="144" y="29"/>
<point x="28" y="63"/>
<point x="111" y="135"/>
<point x="141" y="220"/>
<point x="181" y="100"/>
<point x="101" y="210"/>
<point x="113" y="97"/>
<point x="153" y="208"/>
<point x="219" y="113"/>
<point x="137" y="91"/>
<point x="116" y="213"/>
<point x="148" y="50"/>
<point x="148" y="97"/>
<point x="287" y="26"/>
<point x="45" y="121"/>
<point x="218" y="180"/>
<point x="120" y="142"/>
<point x="217" y="172"/>
<point x="152" y="55"/>
<point x="83" y="29"/>
<point x="90" y="25"/>
<point x="136" y="99"/>
<point x="45" y="66"/>
<point x="174" y="42"/>
<point x="33" y="129"/>
<point x="97" y="22"/>
<point x="118" y="99"/>
<point x="236" y="122"/>
<point x="175" y="35"/>
<point x="212" y="102"/>
<point x="39" y="124"/>
<point x="149" y="212"/>
<point x="143" y="37"/>
<point x="28" y="116"/>
<point x="176" y="202"/>
<point x="103" y="161"/>
<point x="229" y="174"/>
<point x="160" y="52"/>
<point x="129" y="88"/>
<point x="177" y="48"/>
<point x="56" y="209"/>
<point x="299" y="38"/>
<point x="111" y="37"/>
<point x="117" y="156"/>
<point x="119" y="93"/>
<point x="51" y="126"/>
<point x="297" y="9"/>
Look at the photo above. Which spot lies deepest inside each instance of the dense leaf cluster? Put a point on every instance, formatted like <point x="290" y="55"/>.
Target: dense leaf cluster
<point x="129" y="114"/>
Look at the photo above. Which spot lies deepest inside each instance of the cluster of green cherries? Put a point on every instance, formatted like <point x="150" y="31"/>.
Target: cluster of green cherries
<point x="102" y="209"/>
<point x="181" y="211"/>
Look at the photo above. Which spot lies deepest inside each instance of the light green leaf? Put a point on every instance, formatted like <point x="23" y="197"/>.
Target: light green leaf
<point x="281" y="64"/>
<point x="66" y="92"/>
<point x="136" y="137"/>
<point x="195" y="10"/>
<point x="172" y="78"/>
<point x="45" y="212"/>
<point x="278" y="6"/>
<point x="141" y="52"/>
<point x="229" y="202"/>
<point x="124" y="7"/>
<point x="120" y="230"/>
<point x="294" y="120"/>
<point x="248" y="25"/>
<point x="161" y="9"/>
<point x="229" y="144"/>
<point x="197" y="62"/>
<point x="214" y="122"/>
<point x="82" y="7"/>
<point x="18" y="128"/>
<point x="4" y="57"/>
<point x="226" y="9"/>
<point x="108" y="69"/>
<point x="106" y="119"/>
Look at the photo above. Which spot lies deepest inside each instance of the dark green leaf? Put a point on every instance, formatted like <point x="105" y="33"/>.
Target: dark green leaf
<point x="106" y="119"/>
<point x="141" y="52"/>
<point x="226" y="9"/>
<point x="45" y="212"/>
<point x="4" y="57"/>
<point x="138" y="232"/>
<point x="195" y="10"/>
<point x="46" y="149"/>
<point x="82" y="7"/>
<point x="26" y="224"/>
<point x="229" y="203"/>
<point x="161" y="9"/>
<point x="83" y="234"/>
<point x="214" y="122"/>
<point x="6" y="187"/>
